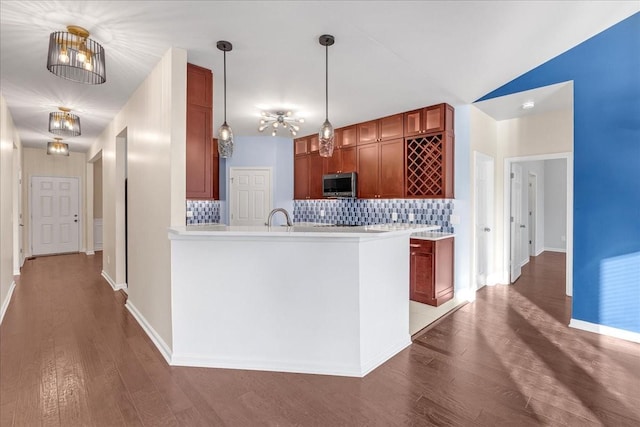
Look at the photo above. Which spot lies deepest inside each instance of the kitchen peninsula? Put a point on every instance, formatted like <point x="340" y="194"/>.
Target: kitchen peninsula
<point x="308" y="299"/>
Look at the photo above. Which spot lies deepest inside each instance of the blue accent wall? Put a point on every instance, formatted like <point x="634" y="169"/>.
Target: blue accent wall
<point x="606" y="74"/>
<point x="269" y="151"/>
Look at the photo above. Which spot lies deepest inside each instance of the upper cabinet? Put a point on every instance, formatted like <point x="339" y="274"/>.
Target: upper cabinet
<point x="201" y="173"/>
<point x="383" y="129"/>
<point x="436" y="118"/>
<point x="346" y="137"/>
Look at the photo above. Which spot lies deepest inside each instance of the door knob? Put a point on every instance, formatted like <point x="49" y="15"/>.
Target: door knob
<point x="487" y="229"/>
<point x="75" y="220"/>
<point x="522" y="226"/>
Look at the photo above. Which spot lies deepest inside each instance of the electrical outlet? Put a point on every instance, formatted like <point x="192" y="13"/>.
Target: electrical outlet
<point x="411" y="217"/>
<point x="322" y="213"/>
<point x="454" y="219"/>
<point x="563" y="238"/>
<point x="394" y="216"/>
<point x="189" y="214"/>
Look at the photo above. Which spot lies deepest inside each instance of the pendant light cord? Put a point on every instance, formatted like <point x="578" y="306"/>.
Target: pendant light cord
<point x="225" y="85"/>
<point x="326" y="83"/>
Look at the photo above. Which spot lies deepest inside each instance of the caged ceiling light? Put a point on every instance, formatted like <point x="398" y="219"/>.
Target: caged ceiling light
<point x="64" y="123"/>
<point x="225" y="134"/>
<point x="279" y="119"/>
<point x="74" y="56"/>
<point x="57" y="147"/>
<point x="326" y="134"/>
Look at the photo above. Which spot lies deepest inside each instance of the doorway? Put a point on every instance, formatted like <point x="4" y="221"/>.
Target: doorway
<point x="517" y="226"/>
<point x="484" y="228"/>
<point x="55" y="215"/>
<point x="250" y="195"/>
<point x="532" y="214"/>
<point x="121" y="226"/>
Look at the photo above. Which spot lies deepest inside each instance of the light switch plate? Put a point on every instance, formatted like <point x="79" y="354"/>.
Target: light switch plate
<point x="322" y="212"/>
<point x="411" y="217"/>
<point x="189" y="214"/>
<point x="394" y="216"/>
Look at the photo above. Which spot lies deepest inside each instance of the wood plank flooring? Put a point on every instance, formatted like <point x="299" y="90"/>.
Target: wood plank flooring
<point x="71" y="355"/>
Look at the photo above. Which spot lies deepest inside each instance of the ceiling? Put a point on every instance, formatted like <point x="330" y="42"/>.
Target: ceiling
<point x="389" y="56"/>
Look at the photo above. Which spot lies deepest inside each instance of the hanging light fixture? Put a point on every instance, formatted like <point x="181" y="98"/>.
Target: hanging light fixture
<point x="64" y="123"/>
<point x="326" y="133"/>
<point x="57" y="147"/>
<point x="280" y="119"/>
<point x="74" y="56"/>
<point x="225" y="134"/>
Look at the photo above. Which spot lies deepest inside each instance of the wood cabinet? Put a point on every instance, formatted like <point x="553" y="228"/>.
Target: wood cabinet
<point x="431" y="275"/>
<point x="300" y="146"/>
<point x="308" y="169"/>
<point x="343" y="160"/>
<point x="215" y="170"/>
<point x="380" y="168"/>
<point x="383" y="129"/>
<point x="346" y="136"/>
<point x="201" y="173"/>
<point x="301" y="177"/>
<point x="436" y="118"/>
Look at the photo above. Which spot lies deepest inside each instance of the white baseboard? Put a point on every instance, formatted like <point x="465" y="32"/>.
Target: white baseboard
<point x="90" y="253"/>
<point x="555" y="249"/>
<point x="7" y="300"/>
<point x="605" y="330"/>
<point x="115" y="286"/>
<point x="153" y="335"/>
<point x="16" y="272"/>
<point x="524" y="262"/>
<point x="97" y="247"/>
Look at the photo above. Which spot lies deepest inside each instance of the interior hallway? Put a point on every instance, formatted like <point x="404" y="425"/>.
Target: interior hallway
<point x="70" y="354"/>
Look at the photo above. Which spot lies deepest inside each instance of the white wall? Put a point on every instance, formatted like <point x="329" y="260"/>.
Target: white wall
<point x="36" y="162"/>
<point x="97" y="188"/>
<point x="462" y="205"/>
<point x="555" y="208"/>
<point x="155" y="122"/>
<point x="8" y="138"/>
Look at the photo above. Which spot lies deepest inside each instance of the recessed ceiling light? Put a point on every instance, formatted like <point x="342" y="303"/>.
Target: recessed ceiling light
<point x="528" y="105"/>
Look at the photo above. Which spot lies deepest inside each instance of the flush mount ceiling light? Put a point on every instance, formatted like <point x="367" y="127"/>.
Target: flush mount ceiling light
<point x="225" y="134"/>
<point x="74" y="56"/>
<point x="326" y="134"/>
<point x="64" y="123"/>
<point x="528" y="105"/>
<point x="279" y="119"/>
<point x="57" y="147"/>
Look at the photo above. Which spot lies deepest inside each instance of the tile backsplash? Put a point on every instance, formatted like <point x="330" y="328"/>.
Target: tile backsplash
<point x="203" y="211"/>
<point x="372" y="211"/>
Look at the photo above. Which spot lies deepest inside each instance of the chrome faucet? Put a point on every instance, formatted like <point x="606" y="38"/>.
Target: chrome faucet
<point x="286" y="214"/>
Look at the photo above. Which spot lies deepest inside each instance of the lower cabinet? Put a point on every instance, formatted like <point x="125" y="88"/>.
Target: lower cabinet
<point x="431" y="276"/>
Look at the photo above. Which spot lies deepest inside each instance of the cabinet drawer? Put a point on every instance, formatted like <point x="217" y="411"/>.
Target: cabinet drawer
<point x="421" y="245"/>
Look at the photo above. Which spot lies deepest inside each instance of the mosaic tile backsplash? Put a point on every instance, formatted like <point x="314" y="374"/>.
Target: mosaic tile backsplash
<point x="204" y="211"/>
<point x="371" y="211"/>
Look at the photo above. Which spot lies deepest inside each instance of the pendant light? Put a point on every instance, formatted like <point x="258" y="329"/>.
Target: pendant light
<point x="74" y="56"/>
<point x="225" y="134"/>
<point x="326" y="134"/>
<point x="57" y="147"/>
<point x="64" y="123"/>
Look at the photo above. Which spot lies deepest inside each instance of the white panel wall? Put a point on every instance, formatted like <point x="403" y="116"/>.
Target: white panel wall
<point x="8" y="137"/>
<point x="555" y="208"/>
<point x="36" y="162"/>
<point x="155" y="123"/>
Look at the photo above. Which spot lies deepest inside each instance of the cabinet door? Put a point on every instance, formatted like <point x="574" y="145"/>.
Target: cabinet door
<point x="391" y="127"/>
<point x="434" y="118"/>
<point x="368" y="171"/>
<point x="215" y="170"/>
<point x="199" y="86"/>
<point x="391" y="169"/>
<point x="413" y="122"/>
<point x="349" y="136"/>
<point x="301" y="177"/>
<point x="367" y="132"/>
<point x="314" y="143"/>
<point x="421" y="274"/>
<point x="443" y="270"/>
<point x="316" y="170"/>
<point x="349" y="159"/>
<point x="300" y="146"/>
<point x="198" y="153"/>
<point x="334" y="163"/>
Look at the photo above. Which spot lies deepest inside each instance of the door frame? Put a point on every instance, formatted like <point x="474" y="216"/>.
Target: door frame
<point x="532" y="214"/>
<point x="568" y="156"/>
<point x="233" y="169"/>
<point x="80" y="209"/>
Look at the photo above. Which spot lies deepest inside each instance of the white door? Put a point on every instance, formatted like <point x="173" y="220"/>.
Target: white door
<point x="250" y="196"/>
<point x="484" y="206"/>
<point x="55" y="215"/>
<point x="516" y="220"/>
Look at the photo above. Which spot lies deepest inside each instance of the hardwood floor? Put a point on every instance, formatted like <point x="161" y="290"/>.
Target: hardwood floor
<point x="70" y="354"/>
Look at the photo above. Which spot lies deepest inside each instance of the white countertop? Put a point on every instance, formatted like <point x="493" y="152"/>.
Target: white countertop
<point x="431" y="235"/>
<point x="305" y="230"/>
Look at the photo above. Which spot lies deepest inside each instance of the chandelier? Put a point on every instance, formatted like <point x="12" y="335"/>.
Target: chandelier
<point x="58" y="147"/>
<point x="64" y="123"/>
<point x="279" y="119"/>
<point x="74" y="56"/>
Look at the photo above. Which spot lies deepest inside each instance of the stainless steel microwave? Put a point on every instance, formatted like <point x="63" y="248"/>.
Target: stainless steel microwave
<point x="340" y="185"/>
